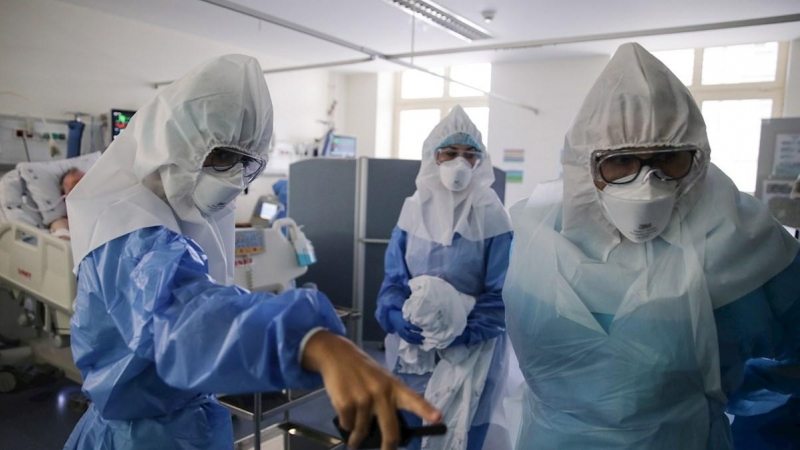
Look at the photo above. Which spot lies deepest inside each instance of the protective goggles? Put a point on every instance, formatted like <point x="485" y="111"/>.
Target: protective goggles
<point x="222" y="159"/>
<point x="623" y="166"/>
<point x="446" y="154"/>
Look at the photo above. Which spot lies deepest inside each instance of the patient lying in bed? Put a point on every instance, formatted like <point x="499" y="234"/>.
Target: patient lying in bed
<point x="60" y="227"/>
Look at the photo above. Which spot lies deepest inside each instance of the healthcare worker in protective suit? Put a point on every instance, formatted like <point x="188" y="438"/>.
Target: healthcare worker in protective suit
<point x="454" y="228"/>
<point x="646" y="295"/>
<point x="158" y="327"/>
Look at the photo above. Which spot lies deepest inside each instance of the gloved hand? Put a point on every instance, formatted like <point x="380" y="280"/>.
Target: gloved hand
<point x="405" y="329"/>
<point x="460" y="340"/>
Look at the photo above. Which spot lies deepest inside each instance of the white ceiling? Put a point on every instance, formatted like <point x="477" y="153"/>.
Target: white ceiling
<point x="382" y="27"/>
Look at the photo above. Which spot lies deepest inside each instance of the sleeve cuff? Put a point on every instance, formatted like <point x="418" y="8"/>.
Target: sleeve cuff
<point x="305" y="340"/>
<point x="61" y="232"/>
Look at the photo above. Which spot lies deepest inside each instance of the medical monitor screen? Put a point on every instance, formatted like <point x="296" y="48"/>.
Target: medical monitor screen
<point x="119" y="121"/>
<point x="343" y="147"/>
<point x="268" y="211"/>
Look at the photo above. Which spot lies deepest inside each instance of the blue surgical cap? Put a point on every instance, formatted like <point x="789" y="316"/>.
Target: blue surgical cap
<point x="461" y="138"/>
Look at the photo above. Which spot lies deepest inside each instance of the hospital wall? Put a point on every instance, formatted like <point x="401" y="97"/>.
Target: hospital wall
<point x="301" y="101"/>
<point x="557" y="88"/>
<point x="370" y="109"/>
<point x="71" y="58"/>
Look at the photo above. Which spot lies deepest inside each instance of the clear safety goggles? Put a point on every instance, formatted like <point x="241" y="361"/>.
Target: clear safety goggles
<point x="446" y="154"/>
<point x="222" y="159"/>
<point x="623" y="166"/>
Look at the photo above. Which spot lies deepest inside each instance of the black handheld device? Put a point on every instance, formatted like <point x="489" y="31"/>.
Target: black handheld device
<point x="374" y="438"/>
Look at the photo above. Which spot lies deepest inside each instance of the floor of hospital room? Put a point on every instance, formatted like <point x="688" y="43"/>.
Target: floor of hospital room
<point x="40" y="418"/>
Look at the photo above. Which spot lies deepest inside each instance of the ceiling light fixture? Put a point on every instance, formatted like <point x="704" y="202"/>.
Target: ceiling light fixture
<point x="443" y="18"/>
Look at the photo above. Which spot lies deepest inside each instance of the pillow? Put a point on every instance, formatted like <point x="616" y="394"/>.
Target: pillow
<point x="42" y="182"/>
<point x="14" y="206"/>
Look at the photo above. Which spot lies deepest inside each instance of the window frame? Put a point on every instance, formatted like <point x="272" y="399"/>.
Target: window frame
<point x="769" y="90"/>
<point x="443" y="104"/>
<point x="772" y="90"/>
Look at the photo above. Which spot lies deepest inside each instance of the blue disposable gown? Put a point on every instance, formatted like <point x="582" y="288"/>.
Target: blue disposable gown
<point x="759" y="349"/>
<point x="477" y="269"/>
<point x="759" y="346"/>
<point x="154" y="336"/>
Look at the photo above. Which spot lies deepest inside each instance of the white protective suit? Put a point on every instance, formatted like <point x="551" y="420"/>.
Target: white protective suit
<point x="458" y="380"/>
<point x="650" y="378"/>
<point x="441" y="312"/>
<point x="464" y="239"/>
<point x="150" y="164"/>
<point x="157" y="328"/>
<point x="435" y="213"/>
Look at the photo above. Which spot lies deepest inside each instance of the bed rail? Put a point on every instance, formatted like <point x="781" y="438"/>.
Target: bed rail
<point x="34" y="261"/>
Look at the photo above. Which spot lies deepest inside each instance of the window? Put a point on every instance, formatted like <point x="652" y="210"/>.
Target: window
<point x="734" y="129"/>
<point x="478" y="75"/>
<point x="735" y="64"/>
<point x="422" y="100"/>
<point x="736" y="87"/>
<point x="680" y="62"/>
<point x="415" y="124"/>
<point x="422" y="85"/>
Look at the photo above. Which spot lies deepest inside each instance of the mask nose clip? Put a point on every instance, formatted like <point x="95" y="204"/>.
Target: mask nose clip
<point x="656" y="172"/>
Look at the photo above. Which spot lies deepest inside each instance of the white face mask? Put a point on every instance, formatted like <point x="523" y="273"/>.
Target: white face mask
<point x="642" y="209"/>
<point x="215" y="190"/>
<point x="456" y="174"/>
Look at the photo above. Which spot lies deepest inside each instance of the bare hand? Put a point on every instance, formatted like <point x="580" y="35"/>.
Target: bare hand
<point x="359" y="389"/>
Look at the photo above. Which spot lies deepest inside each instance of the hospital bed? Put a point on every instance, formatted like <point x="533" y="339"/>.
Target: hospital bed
<point x="35" y="266"/>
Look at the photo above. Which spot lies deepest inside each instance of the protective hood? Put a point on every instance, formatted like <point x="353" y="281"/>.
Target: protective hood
<point x="573" y="282"/>
<point x="636" y="102"/>
<point x="148" y="174"/>
<point x="435" y="213"/>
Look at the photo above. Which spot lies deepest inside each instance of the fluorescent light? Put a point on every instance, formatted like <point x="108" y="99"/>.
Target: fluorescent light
<point x="443" y="18"/>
